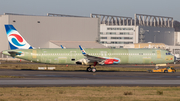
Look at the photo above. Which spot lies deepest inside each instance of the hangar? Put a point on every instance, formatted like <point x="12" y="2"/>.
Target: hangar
<point x="40" y="31"/>
<point x="53" y="30"/>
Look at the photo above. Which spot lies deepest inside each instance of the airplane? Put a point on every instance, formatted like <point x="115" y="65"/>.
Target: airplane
<point x="90" y="57"/>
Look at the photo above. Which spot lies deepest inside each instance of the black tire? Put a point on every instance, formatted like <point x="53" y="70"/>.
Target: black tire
<point x="165" y="71"/>
<point x="89" y="69"/>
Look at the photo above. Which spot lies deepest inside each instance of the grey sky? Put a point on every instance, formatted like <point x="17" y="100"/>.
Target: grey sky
<point x="127" y="8"/>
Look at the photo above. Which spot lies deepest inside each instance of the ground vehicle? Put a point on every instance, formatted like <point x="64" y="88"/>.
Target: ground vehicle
<point x="169" y="69"/>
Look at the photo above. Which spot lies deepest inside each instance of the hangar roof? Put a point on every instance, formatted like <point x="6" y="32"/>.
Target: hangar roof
<point x="75" y="44"/>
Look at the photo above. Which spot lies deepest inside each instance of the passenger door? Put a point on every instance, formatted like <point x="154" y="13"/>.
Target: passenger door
<point x="158" y="54"/>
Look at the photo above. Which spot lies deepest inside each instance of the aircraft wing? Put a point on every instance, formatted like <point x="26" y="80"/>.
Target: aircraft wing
<point x="100" y="60"/>
<point x="94" y="58"/>
<point x="90" y="57"/>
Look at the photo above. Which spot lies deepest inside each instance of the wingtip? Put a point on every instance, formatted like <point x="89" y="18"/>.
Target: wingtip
<point x="80" y="47"/>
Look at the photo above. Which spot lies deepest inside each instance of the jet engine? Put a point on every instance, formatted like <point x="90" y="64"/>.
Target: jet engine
<point x="82" y="62"/>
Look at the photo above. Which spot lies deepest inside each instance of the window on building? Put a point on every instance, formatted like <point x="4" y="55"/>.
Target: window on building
<point x="126" y="42"/>
<point x="110" y="33"/>
<point x="103" y="42"/>
<point x="109" y="28"/>
<point x="113" y="28"/>
<point x="130" y="42"/>
<point x="126" y="33"/>
<point x="103" y="37"/>
<point x="107" y="33"/>
<point x="119" y="28"/>
<point x="129" y="28"/>
<point x="114" y="33"/>
<point x="121" y="33"/>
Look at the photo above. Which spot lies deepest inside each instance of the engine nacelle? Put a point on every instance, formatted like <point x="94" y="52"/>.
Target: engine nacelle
<point x="83" y="62"/>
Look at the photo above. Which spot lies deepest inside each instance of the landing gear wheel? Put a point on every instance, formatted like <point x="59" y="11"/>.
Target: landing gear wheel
<point x="94" y="70"/>
<point x="89" y="69"/>
<point x="165" y="71"/>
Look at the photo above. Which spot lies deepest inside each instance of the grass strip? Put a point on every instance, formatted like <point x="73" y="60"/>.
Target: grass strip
<point x="102" y="93"/>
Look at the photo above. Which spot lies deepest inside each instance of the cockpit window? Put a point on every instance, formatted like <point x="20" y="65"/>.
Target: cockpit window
<point x="168" y="53"/>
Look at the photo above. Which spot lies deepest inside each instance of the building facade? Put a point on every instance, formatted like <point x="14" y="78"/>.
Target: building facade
<point x="116" y="31"/>
<point x="117" y="36"/>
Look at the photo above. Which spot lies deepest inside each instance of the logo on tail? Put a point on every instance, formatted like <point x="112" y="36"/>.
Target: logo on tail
<point x="16" y="41"/>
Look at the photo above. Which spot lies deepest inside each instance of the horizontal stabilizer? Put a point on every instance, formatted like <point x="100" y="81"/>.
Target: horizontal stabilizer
<point x="13" y="53"/>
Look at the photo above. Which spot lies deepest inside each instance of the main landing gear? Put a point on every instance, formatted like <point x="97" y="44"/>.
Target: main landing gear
<point x="89" y="69"/>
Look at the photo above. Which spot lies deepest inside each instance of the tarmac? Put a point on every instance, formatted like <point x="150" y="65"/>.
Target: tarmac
<point x="43" y="78"/>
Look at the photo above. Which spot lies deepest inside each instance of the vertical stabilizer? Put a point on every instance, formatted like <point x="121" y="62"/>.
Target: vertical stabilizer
<point x="16" y="41"/>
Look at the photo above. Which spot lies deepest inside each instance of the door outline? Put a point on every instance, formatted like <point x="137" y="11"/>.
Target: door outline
<point x="158" y="54"/>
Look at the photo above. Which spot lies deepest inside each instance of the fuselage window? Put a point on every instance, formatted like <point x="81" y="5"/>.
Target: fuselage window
<point x="140" y="53"/>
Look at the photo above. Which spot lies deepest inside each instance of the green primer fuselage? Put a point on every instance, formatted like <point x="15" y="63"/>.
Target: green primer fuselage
<point x="71" y="56"/>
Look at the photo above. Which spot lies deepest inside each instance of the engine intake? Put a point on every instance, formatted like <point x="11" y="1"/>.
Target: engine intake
<point x="82" y="62"/>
